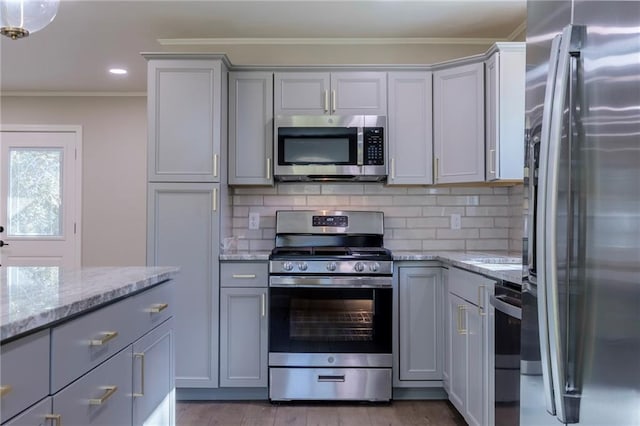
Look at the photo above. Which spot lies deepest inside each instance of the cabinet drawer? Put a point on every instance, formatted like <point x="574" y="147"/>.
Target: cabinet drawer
<point x="152" y="307"/>
<point x="83" y="343"/>
<point x="102" y="397"/>
<point x="36" y="415"/>
<point x="468" y="285"/>
<point x="25" y="373"/>
<point x="244" y="274"/>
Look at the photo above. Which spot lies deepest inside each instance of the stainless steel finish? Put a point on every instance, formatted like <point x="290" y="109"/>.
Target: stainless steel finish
<point x="334" y="267"/>
<point x="300" y="222"/>
<point x="504" y="307"/>
<point x="592" y="224"/>
<point x="330" y="172"/>
<point x="281" y="359"/>
<point x="331" y="281"/>
<point x="358" y="384"/>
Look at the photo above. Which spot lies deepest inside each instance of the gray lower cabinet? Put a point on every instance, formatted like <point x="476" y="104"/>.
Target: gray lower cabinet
<point x="419" y="306"/>
<point x="38" y="415"/>
<point x="250" y="128"/>
<point x="153" y="377"/>
<point x="100" y="397"/>
<point x="243" y="324"/>
<point x="409" y="128"/>
<point x="183" y="229"/>
<point x="470" y="346"/>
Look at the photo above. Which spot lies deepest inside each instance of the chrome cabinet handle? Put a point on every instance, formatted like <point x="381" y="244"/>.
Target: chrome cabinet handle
<point x="492" y="161"/>
<point x="215" y="200"/>
<point x="4" y="390"/>
<point x="481" y="310"/>
<point x="57" y="418"/>
<point x="437" y="170"/>
<point x="109" y="391"/>
<point x="243" y="276"/>
<point x="333" y="101"/>
<point x="158" y="308"/>
<point x="141" y="356"/>
<point x="393" y="168"/>
<point x="107" y="336"/>
<point x="215" y="165"/>
<point x="264" y="304"/>
<point x="326" y="101"/>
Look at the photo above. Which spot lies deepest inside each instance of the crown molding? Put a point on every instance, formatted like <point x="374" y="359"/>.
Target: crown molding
<point x="520" y="28"/>
<point x="324" y="41"/>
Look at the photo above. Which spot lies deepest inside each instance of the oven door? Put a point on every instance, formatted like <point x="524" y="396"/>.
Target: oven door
<point x="330" y="326"/>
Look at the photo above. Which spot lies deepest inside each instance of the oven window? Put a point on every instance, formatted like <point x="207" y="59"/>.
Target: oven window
<point x="330" y="320"/>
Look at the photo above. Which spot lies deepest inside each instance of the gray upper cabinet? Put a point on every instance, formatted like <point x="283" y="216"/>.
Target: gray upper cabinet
<point x="409" y="130"/>
<point x="338" y="93"/>
<point x="185" y="110"/>
<point x="250" y="128"/>
<point x="504" y="79"/>
<point x="458" y="124"/>
<point x="183" y="229"/>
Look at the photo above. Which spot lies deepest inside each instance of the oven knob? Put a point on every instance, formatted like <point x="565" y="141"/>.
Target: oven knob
<point x="374" y="267"/>
<point x="359" y="267"/>
<point x="331" y="266"/>
<point x="287" y="266"/>
<point x="302" y="266"/>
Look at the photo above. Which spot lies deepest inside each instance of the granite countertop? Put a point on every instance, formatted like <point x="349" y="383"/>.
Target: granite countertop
<point x="498" y="266"/>
<point x="33" y="297"/>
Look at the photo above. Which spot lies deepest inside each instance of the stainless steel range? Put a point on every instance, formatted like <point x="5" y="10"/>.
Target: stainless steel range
<point x="330" y="298"/>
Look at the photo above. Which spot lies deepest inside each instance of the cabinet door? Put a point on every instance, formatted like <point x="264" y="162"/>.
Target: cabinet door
<point x="355" y="93"/>
<point x="100" y="397"/>
<point x="38" y="415"/>
<point x="153" y="377"/>
<point x="458" y="124"/>
<point x="446" y="368"/>
<point x="301" y="93"/>
<point x="457" y="352"/>
<point x="183" y="230"/>
<point x="505" y="87"/>
<point x="492" y="95"/>
<point x="250" y="128"/>
<point x="476" y="372"/>
<point x="420" y="320"/>
<point x="184" y="111"/>
<point x="409" y="128"/>
<point x="243" y="337"/>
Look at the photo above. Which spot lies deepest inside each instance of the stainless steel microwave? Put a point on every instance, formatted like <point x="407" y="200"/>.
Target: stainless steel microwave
<point x="330" y="148"/>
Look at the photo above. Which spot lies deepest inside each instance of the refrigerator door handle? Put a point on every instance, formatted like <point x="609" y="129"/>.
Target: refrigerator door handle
<point x="556" y="345"/>
<point x="541" y="214"/>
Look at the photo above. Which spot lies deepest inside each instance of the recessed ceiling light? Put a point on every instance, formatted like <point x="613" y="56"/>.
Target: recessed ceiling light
<point x="118" y="71"/>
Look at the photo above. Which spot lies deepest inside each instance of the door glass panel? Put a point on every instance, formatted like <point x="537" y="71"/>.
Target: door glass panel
<point x="35" y="192"/>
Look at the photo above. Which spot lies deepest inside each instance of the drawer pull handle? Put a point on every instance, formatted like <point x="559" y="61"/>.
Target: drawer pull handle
<point x="55" y="417"/>
<point x="141" y="356"/>
<point x="331" y="378"/>
<point x="110" y="390"/>
<point x="158" y="308"/>
<point x="5" y="390"/>
<point x="243" y="276"/>
<point x="108" y="335"/>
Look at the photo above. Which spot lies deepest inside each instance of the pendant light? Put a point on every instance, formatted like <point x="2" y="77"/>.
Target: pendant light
<point x="19" y="18"/>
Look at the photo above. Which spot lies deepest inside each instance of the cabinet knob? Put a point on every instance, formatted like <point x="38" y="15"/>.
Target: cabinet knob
<point x="2" y="243"/>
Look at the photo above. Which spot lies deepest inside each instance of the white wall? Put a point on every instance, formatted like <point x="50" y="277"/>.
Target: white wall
<point x="114" y="168"/>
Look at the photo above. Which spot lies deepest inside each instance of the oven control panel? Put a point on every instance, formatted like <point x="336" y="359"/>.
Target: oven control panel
<point x="336" y="221"/>
<point x="331" y="267"/>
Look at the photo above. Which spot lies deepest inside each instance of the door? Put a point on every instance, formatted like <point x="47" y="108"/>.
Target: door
<point x="40" y="183"/>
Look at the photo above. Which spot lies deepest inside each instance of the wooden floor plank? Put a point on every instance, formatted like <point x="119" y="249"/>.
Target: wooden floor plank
<point x="264" y="413"/>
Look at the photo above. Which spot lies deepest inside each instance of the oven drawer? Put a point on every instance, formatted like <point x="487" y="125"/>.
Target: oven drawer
<point x="356" y="384"/>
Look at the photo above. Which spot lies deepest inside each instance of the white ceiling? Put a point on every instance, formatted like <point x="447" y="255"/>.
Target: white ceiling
<point x="87" y="37"/>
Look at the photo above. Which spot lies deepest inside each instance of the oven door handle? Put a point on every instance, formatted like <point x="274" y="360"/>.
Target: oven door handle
<point x="330" y="282"/>
<point x="506" y="308"/>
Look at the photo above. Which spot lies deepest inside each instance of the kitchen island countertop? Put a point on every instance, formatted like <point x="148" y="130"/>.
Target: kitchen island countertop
<point x="33" y="297"/>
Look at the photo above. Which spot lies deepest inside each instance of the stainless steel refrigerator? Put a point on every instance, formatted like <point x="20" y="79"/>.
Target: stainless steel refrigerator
<point x="580" y="331"/>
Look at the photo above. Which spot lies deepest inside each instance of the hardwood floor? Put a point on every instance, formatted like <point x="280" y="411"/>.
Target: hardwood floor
<point x="263" y="413"/>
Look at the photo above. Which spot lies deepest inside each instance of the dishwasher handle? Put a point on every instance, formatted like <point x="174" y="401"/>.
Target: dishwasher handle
<point x="499" y="303"/>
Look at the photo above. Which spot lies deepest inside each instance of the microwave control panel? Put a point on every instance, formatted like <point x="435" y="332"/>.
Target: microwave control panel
<point x="373" y="146"/>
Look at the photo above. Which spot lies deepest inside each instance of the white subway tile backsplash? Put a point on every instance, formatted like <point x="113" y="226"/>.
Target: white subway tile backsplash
<point x="416" y="218"/>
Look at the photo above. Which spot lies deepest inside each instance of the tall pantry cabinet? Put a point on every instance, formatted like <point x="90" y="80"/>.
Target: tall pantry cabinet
<point x="187" y="130"/>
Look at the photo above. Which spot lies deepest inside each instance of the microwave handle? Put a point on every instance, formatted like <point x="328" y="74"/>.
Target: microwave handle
<point x="360" y="146"/>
